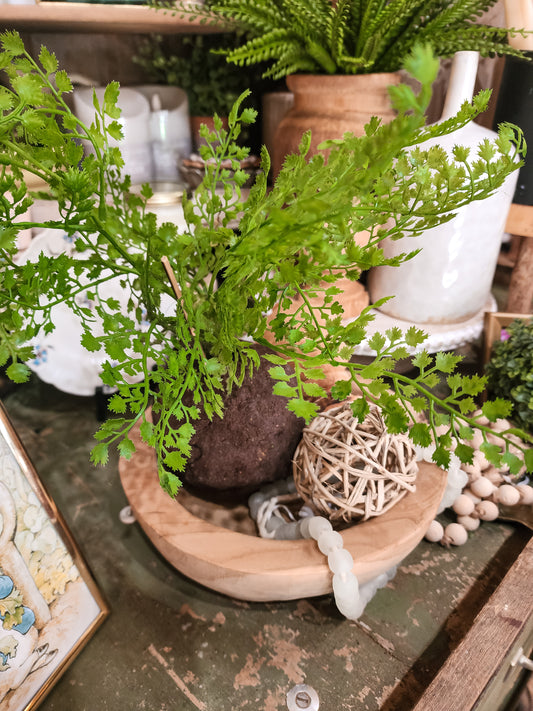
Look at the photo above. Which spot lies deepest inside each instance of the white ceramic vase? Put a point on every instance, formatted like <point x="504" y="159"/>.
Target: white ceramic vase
<point x="450" y="280"/>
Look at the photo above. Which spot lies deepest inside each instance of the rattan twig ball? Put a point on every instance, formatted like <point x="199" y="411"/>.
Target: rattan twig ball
<point x="351" y="471"/>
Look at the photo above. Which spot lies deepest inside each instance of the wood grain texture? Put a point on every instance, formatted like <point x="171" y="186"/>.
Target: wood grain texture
<point x="520" y="294"/>
<point x="256" y="569"/>
<point x="520" y="220"/>
<point x="478" y="673"/>
<point x="86" y="17"/>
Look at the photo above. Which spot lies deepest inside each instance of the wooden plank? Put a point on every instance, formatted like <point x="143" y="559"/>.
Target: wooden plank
<point x="520" y="220"/>
<point x="480" y="665"/>
<point x="520" y="294"/>
<point x="86" y="17"/>
<point x="494" y="322"/>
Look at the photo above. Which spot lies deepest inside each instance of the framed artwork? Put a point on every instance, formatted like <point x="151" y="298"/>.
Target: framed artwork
<point x="50" y="604"/>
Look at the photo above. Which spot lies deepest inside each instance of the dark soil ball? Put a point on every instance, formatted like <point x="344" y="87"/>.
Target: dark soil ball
<point x="252" y="444"/>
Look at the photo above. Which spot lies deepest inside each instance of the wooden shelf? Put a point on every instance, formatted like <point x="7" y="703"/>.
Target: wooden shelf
<point x="85" y="17"/>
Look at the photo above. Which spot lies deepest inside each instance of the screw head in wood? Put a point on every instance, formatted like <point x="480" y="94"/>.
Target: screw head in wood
<point x="302" y="697"/>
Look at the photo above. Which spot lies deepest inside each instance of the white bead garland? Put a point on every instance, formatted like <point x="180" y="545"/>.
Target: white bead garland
<point x="268" y="508"/>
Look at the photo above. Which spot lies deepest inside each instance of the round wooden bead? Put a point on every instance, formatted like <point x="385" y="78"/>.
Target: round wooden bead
<point x="477" y="439"/>
<point x="463" y="505"/>
<point x="473" y="470"/>
<point x="455" y="535"/>
<point x="482" y="487"/>
<point x="481" y="460"/>
<point x="486" y="511"/>
<point x="526" y="493"/>
<point x="500" y="425"/>
<point x="507" y="495"/>
<point x="481" y="419"/>
<point x="468" y="522"/>
<point x="470" y="494"/>
<point x="329" y="541"/>
<point x="434" y="532"/>
<point x="494" y="476"/>
<point x="340" y="561"/>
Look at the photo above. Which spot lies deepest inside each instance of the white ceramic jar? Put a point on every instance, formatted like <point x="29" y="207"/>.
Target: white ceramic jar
<point x="450" y="280"/>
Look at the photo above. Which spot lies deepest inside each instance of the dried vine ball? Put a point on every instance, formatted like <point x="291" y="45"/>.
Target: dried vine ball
<point x="350" y="471"/>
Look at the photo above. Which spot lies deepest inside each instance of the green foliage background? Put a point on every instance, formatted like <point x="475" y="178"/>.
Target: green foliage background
<point x="510" y="371"/>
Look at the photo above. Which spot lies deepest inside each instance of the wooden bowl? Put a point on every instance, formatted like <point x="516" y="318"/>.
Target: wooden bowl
<point x="258" y="569"/>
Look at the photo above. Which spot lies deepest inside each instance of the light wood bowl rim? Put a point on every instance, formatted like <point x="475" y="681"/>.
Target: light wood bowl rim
<point x="258" y="569"/>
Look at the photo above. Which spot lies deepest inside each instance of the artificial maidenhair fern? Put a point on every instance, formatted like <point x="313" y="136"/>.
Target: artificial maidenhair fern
<point x="179" y="347"/>
<point x="349" y="36"/>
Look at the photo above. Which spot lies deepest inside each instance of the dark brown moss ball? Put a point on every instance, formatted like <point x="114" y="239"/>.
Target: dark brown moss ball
<point x="252" y="444"/>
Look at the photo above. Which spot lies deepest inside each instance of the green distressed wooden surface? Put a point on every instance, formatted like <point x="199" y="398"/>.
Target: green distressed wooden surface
<point x="170" y="644"/>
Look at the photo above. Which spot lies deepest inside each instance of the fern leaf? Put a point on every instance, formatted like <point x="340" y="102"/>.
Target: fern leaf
<point x="372" y="9"/>
<point x="308" y="19"/>
<point x="292" y="62"/>
<point x="322" y="57"/>
<point x="396" y="18"/>
<point x="268" y="46"/>
<point x="338" y="28"/>
<point x="353" y="65"/>
<point x="485" y="40"/>
<point x="257" y="18"/>
<point x="357" y="11"/>
<point x="459" y="11"/>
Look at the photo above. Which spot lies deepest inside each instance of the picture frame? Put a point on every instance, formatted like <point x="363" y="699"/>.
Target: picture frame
<point x="494" y="322"/>
<point x="50" y="604"/>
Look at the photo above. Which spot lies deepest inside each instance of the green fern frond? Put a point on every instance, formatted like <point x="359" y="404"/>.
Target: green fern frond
<point x="338" y="28"/>
<point x="369" y="35"/>
<point x="488" y="41"/>
<point x="445" y="26"/>
<point x="371" y="11"/>
<point x="270" y="46"/>
<point x="255" y="17"/>
<point x="322" y="57"/>
<point x="357" y="10"/>
<point x="292" y="62"/>
<point x="308" y="19"/>
<point x="459" y="11"/>
<point x="353" y="65"/>
<point x="396" y="18"/>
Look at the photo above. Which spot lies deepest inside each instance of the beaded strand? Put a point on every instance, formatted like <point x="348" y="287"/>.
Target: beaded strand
<point x="266" y="508"/>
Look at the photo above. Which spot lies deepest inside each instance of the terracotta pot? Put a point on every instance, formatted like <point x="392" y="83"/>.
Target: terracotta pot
<point x="353" y="300"/>
<point x="196" y="122"/>
<point x="330" y="106"/>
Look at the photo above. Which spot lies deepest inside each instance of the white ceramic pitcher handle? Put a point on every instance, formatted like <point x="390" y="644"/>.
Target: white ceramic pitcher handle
<point x="461" y="84"/>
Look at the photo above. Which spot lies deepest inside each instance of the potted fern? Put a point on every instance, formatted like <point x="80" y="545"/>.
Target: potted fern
<point x="183" y="360"/>
<point x="340" y="57"/>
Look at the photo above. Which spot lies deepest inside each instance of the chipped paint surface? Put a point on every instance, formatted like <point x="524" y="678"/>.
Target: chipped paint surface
<point x="170" y="644"/>
<point x="348" y="654"/>
<point x="249" y="674"/>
